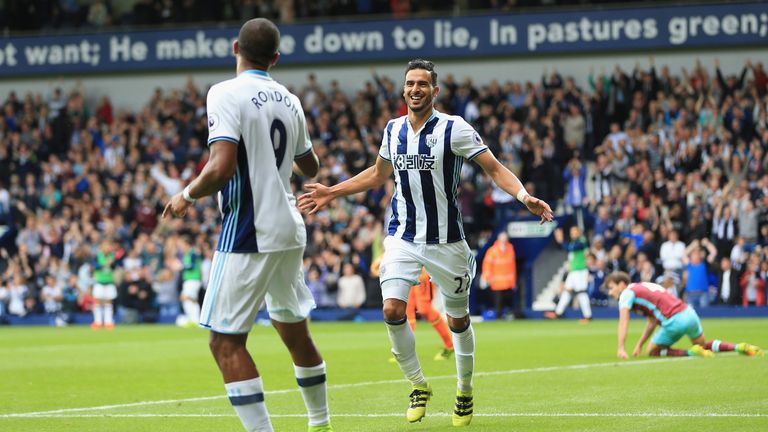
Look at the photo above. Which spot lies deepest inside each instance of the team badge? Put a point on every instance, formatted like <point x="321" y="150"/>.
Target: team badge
<point x="431" y="141"/>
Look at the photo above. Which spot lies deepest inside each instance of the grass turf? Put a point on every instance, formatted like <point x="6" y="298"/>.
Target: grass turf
<point x="530" y="375"/>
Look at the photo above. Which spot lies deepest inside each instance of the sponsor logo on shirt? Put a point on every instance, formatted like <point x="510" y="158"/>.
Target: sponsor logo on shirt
<point x="414" y="162"/>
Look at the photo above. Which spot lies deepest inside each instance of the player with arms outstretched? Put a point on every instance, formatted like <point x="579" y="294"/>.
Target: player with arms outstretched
<point x="257" y="137"/>
<point x="425" y="150"/>
<point x="675" y="318"/>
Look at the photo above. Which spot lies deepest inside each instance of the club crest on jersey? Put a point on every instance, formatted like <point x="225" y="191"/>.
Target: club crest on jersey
<point x="419" y="162"/>
<point x="431" y="141"/>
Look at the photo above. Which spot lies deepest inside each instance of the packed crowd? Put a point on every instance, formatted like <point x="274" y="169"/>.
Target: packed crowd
<point x="666" y="172"/>
<point x="54" y="15"/>
<point x="679" y="187"/>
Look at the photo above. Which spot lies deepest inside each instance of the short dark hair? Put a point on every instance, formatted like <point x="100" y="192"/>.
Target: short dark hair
<point x="617" y="277"/>
<point x="423" y="64"/>
<point x="259" y="40"/>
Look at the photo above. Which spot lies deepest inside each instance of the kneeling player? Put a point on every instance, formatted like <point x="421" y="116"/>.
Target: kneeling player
<point x="676" y="319"/>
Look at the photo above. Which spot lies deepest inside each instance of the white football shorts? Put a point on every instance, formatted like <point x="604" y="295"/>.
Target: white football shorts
<point x="190" y="288"/>
<point x="577" y="280"/>
<point x="104" y="291"/>
<point x="240" y="282"/>
<point x="450" y="265"/>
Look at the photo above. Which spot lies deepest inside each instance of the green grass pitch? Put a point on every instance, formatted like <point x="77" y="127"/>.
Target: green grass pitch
<point x="530" y="376"/>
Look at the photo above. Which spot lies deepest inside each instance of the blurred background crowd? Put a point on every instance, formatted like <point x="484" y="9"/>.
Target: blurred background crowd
<point x="54" y="15"/>
<point x="665" y="172"/>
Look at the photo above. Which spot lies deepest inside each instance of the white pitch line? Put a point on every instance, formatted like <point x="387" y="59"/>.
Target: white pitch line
<point x="438" y="414"/>
<point x="349" y="385"/>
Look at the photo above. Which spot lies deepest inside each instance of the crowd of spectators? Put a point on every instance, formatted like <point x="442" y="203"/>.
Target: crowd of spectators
<point x="678" y="192"/>
<point x="665" y="171"/>
<point x="54" y="15"/>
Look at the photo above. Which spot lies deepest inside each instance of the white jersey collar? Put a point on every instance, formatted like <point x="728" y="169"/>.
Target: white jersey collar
<point x="258" y="73"/>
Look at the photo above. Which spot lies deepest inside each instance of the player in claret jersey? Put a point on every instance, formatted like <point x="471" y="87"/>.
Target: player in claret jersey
<point x="675" y="318"/>
<point x="425" y="150"/>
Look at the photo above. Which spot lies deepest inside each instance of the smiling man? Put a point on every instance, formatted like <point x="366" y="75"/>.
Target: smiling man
<point x="425" y="149"/>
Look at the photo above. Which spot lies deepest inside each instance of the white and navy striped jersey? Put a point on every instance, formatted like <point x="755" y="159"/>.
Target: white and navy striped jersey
<point x="266" y="123"/>
<point x="427" y="165"/>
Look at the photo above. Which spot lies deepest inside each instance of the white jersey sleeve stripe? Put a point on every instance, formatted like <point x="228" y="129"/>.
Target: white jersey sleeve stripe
<point x="478" y="153"/>
<point x="223" y="138"/>
<point x="303" y="154"/>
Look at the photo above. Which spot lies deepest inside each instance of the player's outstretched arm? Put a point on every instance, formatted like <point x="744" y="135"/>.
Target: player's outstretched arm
<point x="319" y="196"/>
<point x="623" y="329"/>
<point x="510" y="184"/>
<point x="220" y="167"/>
<point x="644" y="337"/>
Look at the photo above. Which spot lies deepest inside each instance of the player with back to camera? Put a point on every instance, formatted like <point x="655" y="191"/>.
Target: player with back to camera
<point x="675" y="319"/>
<point x="257" y="137"/>
<point x="425" y="150"/>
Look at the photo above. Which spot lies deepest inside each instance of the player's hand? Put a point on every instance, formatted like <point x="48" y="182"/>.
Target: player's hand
<point x="622" y="354"/>
<point x="636" y="352"/>
<point x="316" y="199"/>
<point x="176" y="207"/>
<point x="539" y="208"/>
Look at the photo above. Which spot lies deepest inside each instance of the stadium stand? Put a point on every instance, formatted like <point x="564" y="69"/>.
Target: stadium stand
<point x="53" y="16"/>
<point x="656" y="165"/>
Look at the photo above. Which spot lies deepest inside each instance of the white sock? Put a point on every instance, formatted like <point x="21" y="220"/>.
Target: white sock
<point x="586" y="308"/>
<point x="464" y="346"/>
<point x="404" y="348"/>
<point x="109" y="313"/>
<point x="247" y="397"/>
<point x="191" y="310"/>
<point x="311" y="382"/>
<point x="98" y="314"/>
<point x="565" y="300"/>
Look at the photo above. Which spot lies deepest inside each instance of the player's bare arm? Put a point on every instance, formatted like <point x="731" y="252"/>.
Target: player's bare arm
<point x="220" y="167"/>
<point x="649" y="327"/>
<point x="319" y="195"/>
<point x="307" y="165"/>
<point x="623" y="329"/>
<point x="510" y="184"/>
